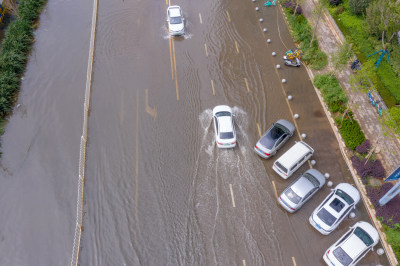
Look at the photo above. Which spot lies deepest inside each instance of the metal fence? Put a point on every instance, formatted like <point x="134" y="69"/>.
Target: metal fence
<point x="82" y="152"/>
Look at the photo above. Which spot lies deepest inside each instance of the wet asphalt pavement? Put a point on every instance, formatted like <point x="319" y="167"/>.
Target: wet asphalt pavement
<point x="157" y="190"/>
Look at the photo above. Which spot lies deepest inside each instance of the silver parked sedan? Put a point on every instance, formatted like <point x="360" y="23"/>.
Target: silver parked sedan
<point x="274" y="138"/>
<point x="301" y="190"/>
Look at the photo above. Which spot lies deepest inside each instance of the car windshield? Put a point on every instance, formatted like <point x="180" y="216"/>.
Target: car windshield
<point x="271" y="137"/>
<point x="292" y="196"/>
<point x="223" y="114"/>
<point x="326" y="217"/>
<point x="337" y="205"/>
<point x="344" y="196"/>
<point x="342" y="256"/>
<point x="175" y="20"/>
<point x="363" y="236"/>
<point x="226" y="135"/>
<point x="281" y="167"/>
<point x="312" y="179"/>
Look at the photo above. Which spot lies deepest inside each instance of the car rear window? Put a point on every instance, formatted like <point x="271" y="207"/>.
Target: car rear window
<point x="326" y="217"/>
<point x="271" y="137"/>
<point x="337" y="205"/>
<point x="175" y="20"/>
<point x="226" y="135"/>
<point x="222" y="114"/>
<point x="280" y="166"/>
<point x="344" y="196"/>
<point x="342" y="256"/>
<point x="363" y="236"/>
<point x="292" y="196"/>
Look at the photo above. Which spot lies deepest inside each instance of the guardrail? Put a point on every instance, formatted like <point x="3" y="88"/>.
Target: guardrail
<point x="82" y="152"/>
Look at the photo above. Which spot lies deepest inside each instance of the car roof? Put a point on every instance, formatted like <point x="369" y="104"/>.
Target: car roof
<point x="174" y="11"/>
<point x="286" y="124"/>
<point x="221" y="108"/>
<point x="353" y="246"/>
<point x="302" y="186"/>
<point x="225" y="124"/>
<point x="289" y="158"/>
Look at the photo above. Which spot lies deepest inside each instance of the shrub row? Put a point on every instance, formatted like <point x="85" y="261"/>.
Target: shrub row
<point x="302" y="34"/>
<point x="351" y="132"/>
<point x="331" y="91"/>
<point x="15" y="50"/>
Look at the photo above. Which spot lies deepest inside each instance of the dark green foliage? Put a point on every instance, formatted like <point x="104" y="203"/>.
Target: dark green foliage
<point x="331" y="91"/>
<point x="358" y="6"/>
<point x="302" y="34"/>
<point x="351" y="133"/>
<point x="393" y="237"/>
<point x="15" y="51"/>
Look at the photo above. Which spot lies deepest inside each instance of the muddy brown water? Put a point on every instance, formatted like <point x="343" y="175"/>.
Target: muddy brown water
<point x="157" y="190"/>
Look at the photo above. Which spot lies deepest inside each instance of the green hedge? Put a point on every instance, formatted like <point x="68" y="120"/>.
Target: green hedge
<point x="393" y="238"/>
<point x="15" y="50"/>
<point x="331" y="91"/>
<point x="302" y="34"/>
<point x="336" y="100"/>
<point x="351" y="133"/>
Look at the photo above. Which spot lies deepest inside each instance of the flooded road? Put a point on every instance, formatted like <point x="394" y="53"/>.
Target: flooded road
<point x="157" y="190"/>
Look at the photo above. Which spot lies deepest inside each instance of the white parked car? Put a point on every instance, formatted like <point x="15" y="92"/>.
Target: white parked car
<point x="335" y="207"/>
<point x="352" y="246"/>
<point x="175" y="20"/>
<point x="224" y="127"/>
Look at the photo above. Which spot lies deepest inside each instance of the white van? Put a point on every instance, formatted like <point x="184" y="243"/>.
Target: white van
<point x="291" y="160"/>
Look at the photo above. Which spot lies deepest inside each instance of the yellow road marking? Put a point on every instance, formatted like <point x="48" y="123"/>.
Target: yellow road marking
<point x="212" y="87"/>
<point x="149" y="110"/>
<point x="205" y="47"/>
<point x="166" y="2"/>
<point x="247" y="84"/>
<point x="237" y="47"/>
<point x="170" y="58"/>
<point x="169" y="2"/>
<point x="229" y="17"/>
<point x="137" y="157"/>
<point x="294" y="261"/>
<point x="276" y="193"/>
<point x="244" y="263"/>
<point x="201" y="21"/>
<point x="259" y="130"/>
<point x="233" y="199"/>
<point x="176" y="78"/>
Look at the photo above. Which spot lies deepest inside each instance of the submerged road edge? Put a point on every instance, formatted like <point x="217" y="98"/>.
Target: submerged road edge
<point x="82" y="157"/>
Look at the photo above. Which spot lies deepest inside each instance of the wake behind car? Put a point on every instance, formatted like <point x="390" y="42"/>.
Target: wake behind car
<point x="301" y="190"/>
<point x="352" y="246"/>
<point x="224" y="127"/>
<point x="335" y="207"/>
<point x="274" y="138"/>
<point x="175" y="20"/>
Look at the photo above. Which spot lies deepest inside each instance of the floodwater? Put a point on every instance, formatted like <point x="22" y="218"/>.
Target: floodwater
<point x="157" y="190"/>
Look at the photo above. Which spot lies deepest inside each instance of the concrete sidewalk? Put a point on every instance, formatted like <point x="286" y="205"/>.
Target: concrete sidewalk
<point x="387" y="148"/>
